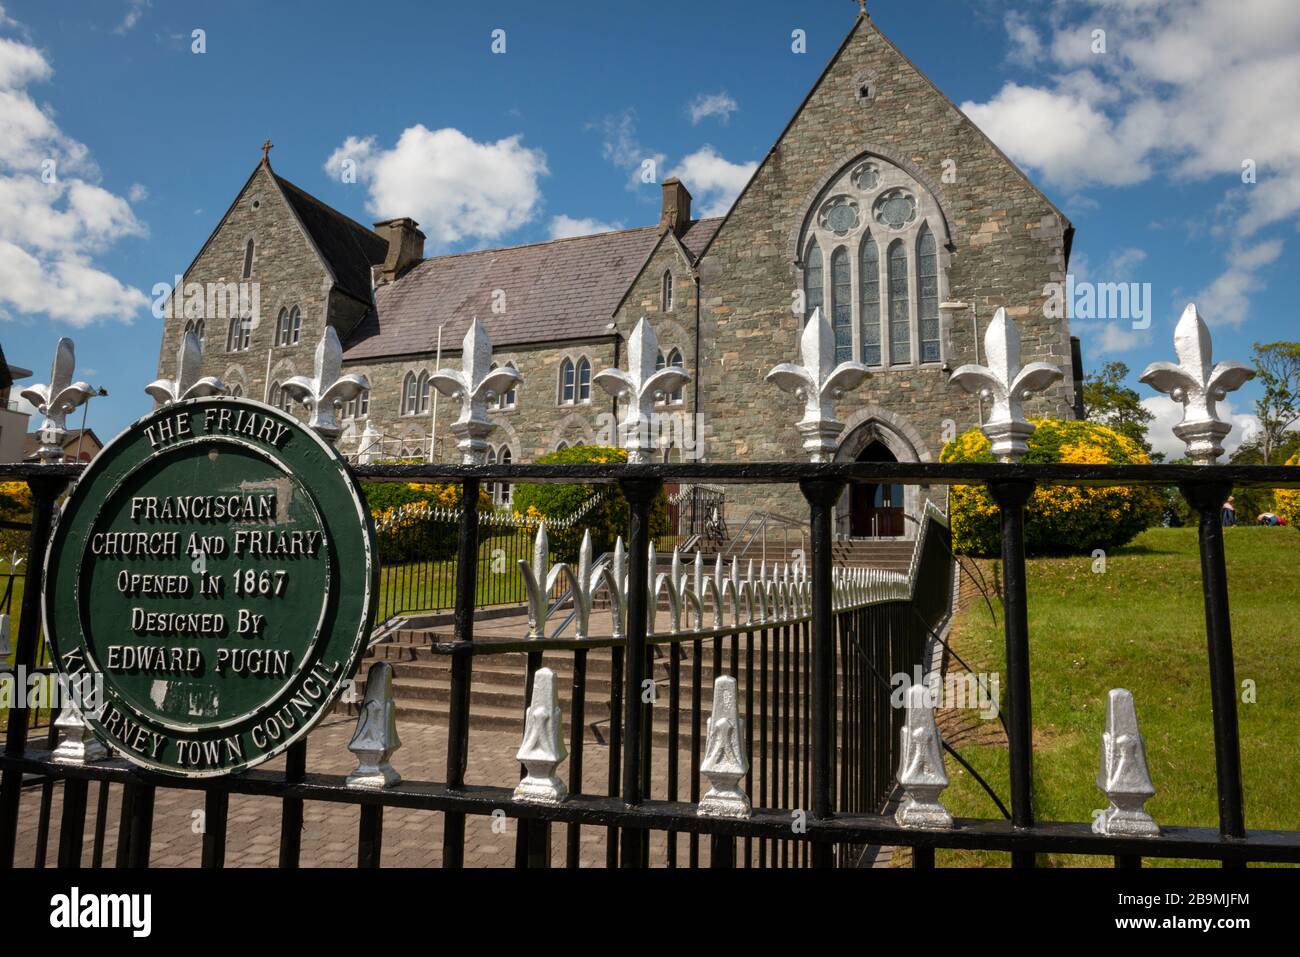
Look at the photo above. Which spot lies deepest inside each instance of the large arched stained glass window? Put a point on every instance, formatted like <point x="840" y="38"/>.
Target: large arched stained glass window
<point x="842" y="304"/>
<point x="927" y="300"/>
<point x="812" y="281"/>
<point x="900" y="328"/>
<point x="869" y="306"/>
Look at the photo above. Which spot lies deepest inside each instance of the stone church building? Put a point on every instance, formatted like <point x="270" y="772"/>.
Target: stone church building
<point x="880" y="203"/>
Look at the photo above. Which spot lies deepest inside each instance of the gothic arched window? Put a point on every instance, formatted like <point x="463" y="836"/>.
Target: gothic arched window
<point x="869" y="305"/>
<point x="812" y="280"/>
<point x="900" y="321"/>
<point x="667" y="298"/>
<point x="566" y="382"/>
<point x="248" y="259"/>
<point x="295" y="324"/>
<point x="675" y="360"/>
<point x="282" y="328"/>
<point x="927" y="298"/>
<point x="422" y="389"/>
<point x="876" y="218"/>
<point x="584" y="379"/>
<point x="199" y="330"/>
<point x="842" y="304"/>
<point x="410" y="397"/>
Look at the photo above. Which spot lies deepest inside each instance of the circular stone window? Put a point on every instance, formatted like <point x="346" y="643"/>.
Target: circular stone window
<point x="896" y="209"/>
<point x="840" y="215"/>
<point x="866" y="177"/>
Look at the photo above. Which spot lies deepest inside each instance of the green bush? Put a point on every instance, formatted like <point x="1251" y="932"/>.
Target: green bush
<point x="408" y="538"/>
<point x="1059" y="520"/>
<point x="607" y="520"/>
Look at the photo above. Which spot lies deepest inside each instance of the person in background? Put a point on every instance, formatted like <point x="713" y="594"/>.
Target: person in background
<point x="1229" y="513"/>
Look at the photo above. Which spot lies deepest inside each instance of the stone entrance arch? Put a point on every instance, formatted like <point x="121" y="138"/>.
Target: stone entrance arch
<point x="868" y="430"/>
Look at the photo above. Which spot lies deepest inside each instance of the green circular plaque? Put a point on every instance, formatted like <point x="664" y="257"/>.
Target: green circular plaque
<point x="214" y="568"/>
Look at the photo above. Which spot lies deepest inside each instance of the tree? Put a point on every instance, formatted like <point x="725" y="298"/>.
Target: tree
<point x="1108" y="401"/>
<point x="1277" y="367"/>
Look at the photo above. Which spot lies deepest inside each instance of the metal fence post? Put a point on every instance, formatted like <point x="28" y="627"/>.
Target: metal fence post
<point x="822" y="494"/>
<point x="44" y="492"/>
<point x="1208" y="499"/>
<point x="640" y="494"/>
<point x="1011" y="496"/>
<point x="453" y="827"/>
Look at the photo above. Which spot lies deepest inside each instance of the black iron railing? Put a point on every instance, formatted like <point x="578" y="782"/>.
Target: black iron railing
<point x="835" y="719"/>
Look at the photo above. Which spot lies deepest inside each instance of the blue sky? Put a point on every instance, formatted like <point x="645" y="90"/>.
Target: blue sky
<point x="1140" y="142"/>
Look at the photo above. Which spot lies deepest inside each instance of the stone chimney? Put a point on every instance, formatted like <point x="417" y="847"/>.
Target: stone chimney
<point x="676" y="213"/>
<point x="405" y="246"/>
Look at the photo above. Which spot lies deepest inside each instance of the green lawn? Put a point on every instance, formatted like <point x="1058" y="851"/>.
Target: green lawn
<point x="1141" y="626"/>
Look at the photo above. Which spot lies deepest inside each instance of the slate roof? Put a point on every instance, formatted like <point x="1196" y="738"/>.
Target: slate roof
<point x="563" y="289"/>
<point x="349" y="248"/>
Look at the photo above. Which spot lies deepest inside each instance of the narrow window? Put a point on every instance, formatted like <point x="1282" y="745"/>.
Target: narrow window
<point x="566" y="382"/>
<point x="273" y="394"/>
<point x="189" y="325"/>
<point x="491" y="487"/>
<point x="927" y="303"/>
<point x="363" y="404"/>
<point x="869" y="307"/>
<point x="424" y="391"/>
<point x="245" y="332"/>
<point x="900" y="328"/>
<point x="237" y="391"/>
<point x="584" y="380"/>
<point x="675" y="360"/>
<point x="503" y="488"/>
<point x="668" y="291"/>
<point x="409" y="394"/>
<point x="199" y="330"/>
<point x="295" y="325"/>
<point x="282" y="328"/>
<point x="812" y="280"/>
<point x="842" y="304"/>
<point x="286" y="400"/>
<point x="248" y="259"/>
<point x="232" y="336"/>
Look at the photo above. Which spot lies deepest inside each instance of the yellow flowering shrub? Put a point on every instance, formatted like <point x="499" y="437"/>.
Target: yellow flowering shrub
<point x="15" y="506"/>
<point x="1059" y="520"/>
<point x="405" y="536"/>
<point x="1287" y="500"/>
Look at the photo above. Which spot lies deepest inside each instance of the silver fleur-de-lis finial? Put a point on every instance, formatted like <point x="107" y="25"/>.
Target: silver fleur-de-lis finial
<point x="56" y="399"/>
<point x="640" y="387"/>
<point x="584" y="585"/>
<point x="921" y="773"/>
<point x="326" y="391"/>
<point x="1123" y="775"/>
<point x="543" y="748"/>
<point x="1197" y="384"/>
<point x="376" y="739"/>
<point x="187" y="384"/>
<point x="819" y="382"/>
<point x="1008" y="385"/>
<point x="725" y="761"/>
<point x="539" y="581"/>
<point x="476" y="384"/>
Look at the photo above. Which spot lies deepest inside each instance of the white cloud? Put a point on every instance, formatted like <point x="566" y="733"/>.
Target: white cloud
<point x="1185" y="90"/>
<point x="713" y="180"/>
<point x="53" y="215"/>
<point x="562" y="227"/>
<point x="720" y="104"/>
<point x="134" y="11"/>
<point x="138" y="193"/>
<point x="621" y="146"/>
<point x="1226" y="300"/>
<point x="1110" y="338"/>
<point x="458" y="189"/>
<point x="1061" y="134"/>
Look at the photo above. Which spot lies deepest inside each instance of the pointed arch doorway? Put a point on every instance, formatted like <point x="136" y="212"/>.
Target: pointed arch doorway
<point x="876" y="508"/>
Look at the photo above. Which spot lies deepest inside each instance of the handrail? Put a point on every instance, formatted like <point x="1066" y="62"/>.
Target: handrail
<point x="567" y="595"/>
<point x="761" y="520"/>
